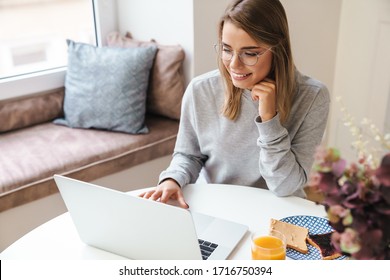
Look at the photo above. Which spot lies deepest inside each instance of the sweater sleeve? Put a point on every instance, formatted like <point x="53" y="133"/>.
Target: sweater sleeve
<point x="285" y="163"/>
<point x="187" y="160"/>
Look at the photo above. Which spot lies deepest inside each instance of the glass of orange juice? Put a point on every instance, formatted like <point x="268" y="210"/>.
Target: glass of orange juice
<point x="270" y="246"/>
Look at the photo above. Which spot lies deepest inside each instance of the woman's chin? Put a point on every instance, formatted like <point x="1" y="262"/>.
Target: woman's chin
<point x="242" y="85"/>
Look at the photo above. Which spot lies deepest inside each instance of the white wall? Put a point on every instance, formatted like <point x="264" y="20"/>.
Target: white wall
<point x="168" y="22"/>
<point x="314" y="27"/>
<point x="314" y="30"/>
<point x="190" y="23"/>
<point x="362" y="72"/>
<point x="206" y="16"/>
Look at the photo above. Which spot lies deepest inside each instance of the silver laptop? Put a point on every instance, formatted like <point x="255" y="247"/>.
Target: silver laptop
<point x="138" y="228"/>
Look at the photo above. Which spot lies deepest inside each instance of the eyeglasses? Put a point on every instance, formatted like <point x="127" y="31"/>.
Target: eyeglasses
<point x="247" y="57"/>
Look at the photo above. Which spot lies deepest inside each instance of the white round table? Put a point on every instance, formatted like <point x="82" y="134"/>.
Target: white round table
<point x="58" y="239"/>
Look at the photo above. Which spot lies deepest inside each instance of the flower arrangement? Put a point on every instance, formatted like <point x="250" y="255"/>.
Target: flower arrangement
<point x="357" y="201"/>
<point x="356" y="196"/>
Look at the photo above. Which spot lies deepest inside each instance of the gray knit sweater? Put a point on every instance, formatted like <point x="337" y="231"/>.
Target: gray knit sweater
<point x="245" y="151"/>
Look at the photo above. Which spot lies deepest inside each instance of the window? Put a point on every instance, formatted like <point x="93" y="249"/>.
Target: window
<point x="34" y="32"/>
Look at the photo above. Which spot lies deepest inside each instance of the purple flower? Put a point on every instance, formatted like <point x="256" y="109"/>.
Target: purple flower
<point x="349" y="241"/>
<point x="383" y="172"/>
<point x="338" y="167"/>
<point x="357" y="200"/>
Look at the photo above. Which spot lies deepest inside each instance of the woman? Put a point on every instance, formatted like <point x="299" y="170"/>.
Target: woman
<point x="256" y="121"/>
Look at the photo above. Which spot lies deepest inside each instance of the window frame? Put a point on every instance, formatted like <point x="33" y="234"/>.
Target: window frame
<point x="46" y="80"/>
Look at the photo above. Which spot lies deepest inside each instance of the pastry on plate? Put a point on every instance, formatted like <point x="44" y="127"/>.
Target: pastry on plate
<point x="323" y="243"/>
<point x="295" y="235"/>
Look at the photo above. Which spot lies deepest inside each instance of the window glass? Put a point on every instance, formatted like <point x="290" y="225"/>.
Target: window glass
<point x="33" y="33"/>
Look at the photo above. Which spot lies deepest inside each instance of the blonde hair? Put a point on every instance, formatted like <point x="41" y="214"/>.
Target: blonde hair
<point x="266" y="22"/>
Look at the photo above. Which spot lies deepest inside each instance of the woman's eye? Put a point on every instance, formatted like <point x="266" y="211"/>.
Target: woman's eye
<point x="227" y="51"/>
<point x="250" y="54"/>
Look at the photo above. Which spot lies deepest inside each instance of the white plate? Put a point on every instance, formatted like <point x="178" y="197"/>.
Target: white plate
<point x="315" y="225"/>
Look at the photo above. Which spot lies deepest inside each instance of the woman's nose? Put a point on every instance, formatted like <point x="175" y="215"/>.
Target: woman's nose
<point x="235" y="61"/>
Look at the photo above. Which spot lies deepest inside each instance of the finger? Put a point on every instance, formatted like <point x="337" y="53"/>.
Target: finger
<point x="182" y="202"/>
<point x="269" y="80"/>
<point x="254" y="95"/>
<point x="256" y="92"/>
<point x="165" y="196"/>
<point x="156" y="195"/>
<point x="260" y="92"/>
<point x="265" y="86"/>
<point x="146" y="194"/>
<point x="268" y="83"/>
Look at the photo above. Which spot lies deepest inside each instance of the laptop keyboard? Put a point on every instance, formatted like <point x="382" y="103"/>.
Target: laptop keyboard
<point x="206" y="248"/>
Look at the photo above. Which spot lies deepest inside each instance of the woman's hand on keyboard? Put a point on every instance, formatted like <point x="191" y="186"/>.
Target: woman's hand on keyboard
<point x="167" y="191"/>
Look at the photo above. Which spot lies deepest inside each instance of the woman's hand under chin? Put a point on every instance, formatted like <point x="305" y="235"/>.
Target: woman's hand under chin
<point x="265" y="93"/>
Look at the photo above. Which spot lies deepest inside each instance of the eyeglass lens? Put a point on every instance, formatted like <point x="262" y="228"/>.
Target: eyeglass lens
<point x="249" y="58"/>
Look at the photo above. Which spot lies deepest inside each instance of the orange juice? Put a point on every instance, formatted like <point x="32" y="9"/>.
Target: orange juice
<point x="268" y="248"/>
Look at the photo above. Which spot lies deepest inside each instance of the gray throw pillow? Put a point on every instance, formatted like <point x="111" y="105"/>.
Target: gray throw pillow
<point x="105" y="87"/>
<point x="167" y="84"/>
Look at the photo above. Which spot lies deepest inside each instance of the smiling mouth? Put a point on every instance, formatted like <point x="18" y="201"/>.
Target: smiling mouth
<point x="239" y="76"/>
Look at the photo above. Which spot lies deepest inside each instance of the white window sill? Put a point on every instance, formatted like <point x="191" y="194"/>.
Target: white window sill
<point x="32" y="83"/>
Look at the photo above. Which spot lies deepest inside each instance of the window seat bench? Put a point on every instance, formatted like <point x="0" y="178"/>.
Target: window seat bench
<point x="33" y="149"/>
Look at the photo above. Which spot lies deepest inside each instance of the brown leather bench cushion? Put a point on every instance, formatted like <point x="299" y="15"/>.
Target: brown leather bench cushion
<point x="26" y="111"/>
<point x="31" y="156"/>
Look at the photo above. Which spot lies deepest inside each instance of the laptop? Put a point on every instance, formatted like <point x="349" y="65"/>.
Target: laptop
<point x="138" y="228"/>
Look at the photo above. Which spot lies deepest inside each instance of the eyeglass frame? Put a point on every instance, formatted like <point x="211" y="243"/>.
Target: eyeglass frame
<point x="219" y="49"/>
